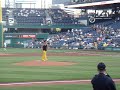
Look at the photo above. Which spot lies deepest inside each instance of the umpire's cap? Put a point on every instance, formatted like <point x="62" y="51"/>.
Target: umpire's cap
<point x="101" y="66"/>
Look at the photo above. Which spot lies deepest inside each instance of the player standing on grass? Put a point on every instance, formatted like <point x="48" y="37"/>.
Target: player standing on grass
<point x="102" y="81"/>
<point x="44" y="51"/>
<point x="5" y="45"/>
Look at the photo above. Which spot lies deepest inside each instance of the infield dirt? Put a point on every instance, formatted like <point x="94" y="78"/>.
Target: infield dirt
<point x="43" y="63"/>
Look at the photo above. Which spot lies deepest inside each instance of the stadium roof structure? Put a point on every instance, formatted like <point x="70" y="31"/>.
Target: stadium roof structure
<point x="106" y="4"/>
<point x="25" y="1"/>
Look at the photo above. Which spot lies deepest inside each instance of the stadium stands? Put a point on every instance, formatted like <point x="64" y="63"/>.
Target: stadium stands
<point x="97" y="36"/>
<point x="60" y="17"/>
<point x="27" y="16"/>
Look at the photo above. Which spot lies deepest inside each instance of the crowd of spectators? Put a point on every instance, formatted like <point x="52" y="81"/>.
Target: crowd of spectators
<point x="73" y="39"/>
<point x="97" y="36"/>
<point x="94" y="37"/>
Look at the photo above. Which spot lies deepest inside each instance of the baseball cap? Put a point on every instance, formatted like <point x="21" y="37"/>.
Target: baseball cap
<point x="101" y="66"/>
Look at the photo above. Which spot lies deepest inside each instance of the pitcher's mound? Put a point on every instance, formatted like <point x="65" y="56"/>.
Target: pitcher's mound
<point x="43" y="63"/>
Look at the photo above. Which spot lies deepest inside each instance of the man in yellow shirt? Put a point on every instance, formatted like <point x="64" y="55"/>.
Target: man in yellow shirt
<point x="105" y="44"/>
<point x="44" y="51"/>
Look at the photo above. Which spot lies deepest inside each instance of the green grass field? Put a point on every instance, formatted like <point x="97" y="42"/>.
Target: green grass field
<point x="84" y="69"/>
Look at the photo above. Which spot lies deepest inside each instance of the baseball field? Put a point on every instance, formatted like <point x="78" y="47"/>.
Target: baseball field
<point x="22" y="69"/>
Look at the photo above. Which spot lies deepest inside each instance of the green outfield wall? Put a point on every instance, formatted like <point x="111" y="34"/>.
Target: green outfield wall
<point x="1" y="36"/>
<point x="1" y="28"/>
<point x="19" y="40"/>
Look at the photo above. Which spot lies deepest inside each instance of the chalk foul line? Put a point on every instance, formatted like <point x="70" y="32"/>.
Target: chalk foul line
<point x="51" y="82"/>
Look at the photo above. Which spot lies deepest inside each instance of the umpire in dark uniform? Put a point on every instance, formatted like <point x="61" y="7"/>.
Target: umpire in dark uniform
<point x="102" y="81"/>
